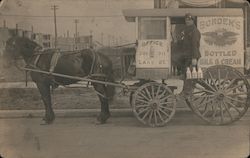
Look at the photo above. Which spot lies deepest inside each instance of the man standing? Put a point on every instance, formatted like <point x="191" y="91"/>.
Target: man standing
<point x="191" y="46"/>
<point x="191" y="42"/>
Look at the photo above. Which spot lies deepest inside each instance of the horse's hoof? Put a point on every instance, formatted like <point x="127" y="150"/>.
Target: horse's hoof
<point x="49" y="120"/>
<point x="102" y="118"/>
<point x="97" y="122"/>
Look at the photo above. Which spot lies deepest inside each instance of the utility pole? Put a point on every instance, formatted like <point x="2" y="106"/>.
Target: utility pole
<point x="4" y="23"/>
<point x="76" y="21"/>
<point x="54" y="7"/>
<point x="102" y="38"/>
<point x="91" y="39"/>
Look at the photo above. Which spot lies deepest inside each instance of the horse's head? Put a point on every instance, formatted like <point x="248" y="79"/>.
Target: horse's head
<point x="17" y="47"/>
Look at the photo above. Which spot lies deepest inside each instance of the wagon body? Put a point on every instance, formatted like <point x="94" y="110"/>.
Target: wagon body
<point x="221" y="96"/>
<point x="223" y="37"/>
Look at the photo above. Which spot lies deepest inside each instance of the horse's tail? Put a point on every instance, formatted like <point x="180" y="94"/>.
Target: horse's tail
<point x="110" y="89"/>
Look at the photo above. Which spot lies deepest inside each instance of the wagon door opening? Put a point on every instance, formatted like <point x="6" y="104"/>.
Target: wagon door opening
<point x="153" y="55"/>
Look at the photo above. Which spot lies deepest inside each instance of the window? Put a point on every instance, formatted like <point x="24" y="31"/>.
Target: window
<point x="152" y="28"/>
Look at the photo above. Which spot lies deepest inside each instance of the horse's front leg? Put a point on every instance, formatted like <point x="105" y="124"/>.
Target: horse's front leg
<point x="104" y="114"/>
<point x="44" y="90"/>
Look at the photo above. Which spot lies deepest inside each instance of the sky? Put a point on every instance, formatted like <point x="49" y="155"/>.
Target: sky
<point x="96" y="16"/>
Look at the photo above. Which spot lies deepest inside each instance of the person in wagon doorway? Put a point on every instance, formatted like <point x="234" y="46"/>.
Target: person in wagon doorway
<point x="191" y="47"/>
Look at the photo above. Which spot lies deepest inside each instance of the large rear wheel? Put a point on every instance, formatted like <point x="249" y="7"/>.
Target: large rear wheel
<point x="221" y="97"/>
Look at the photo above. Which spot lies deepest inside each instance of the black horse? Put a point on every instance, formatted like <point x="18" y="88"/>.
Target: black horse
<point x="83" y="63"/>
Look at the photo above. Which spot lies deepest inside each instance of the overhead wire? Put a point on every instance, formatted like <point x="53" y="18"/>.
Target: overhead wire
<point x="63" y="16"/>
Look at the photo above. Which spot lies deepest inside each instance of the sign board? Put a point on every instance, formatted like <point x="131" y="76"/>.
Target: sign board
<point x="221" y="41"/>
<point x="153" y="54"/>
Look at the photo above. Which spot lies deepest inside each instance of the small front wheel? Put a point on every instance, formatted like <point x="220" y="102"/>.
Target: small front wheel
<point x="154" y="104"/>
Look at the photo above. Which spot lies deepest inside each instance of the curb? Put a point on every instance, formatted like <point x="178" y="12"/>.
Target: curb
<point x="63" y="113"/>
<point x="5" y="114"/>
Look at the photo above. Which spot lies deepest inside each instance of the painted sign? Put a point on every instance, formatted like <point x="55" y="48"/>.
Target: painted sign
<point x="153" y="54"/>
<point x="221" y="41"/>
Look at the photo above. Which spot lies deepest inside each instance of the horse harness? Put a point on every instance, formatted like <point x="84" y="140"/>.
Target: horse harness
<point x="54" y="59"/>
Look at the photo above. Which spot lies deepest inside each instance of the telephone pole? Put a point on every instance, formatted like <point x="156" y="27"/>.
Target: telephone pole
<point x="76" y="21"/>
<point x="55" y="7"/>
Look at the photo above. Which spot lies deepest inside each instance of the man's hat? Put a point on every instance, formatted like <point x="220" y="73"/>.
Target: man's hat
<point x="189" y="16"/>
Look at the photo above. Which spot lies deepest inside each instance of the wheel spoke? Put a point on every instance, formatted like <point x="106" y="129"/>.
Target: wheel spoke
<point x="147" y="93"/>
<point x="172" y="102"/>
<point x="205" y="112"/>
<point x="226" y="107"/>
<point x="141" y="106"/>
<point x="225" y="79"/>
<point x="158" y="90"/>
<point x="239" y="101"/>
<point x="162" y="94"/>
<point x="162" y="99"/>
<point x="212" y="80"/>
<point x="203" y="89"/>
<point x="155" y="117"/>
<point x="196" y="97"/>
<point x="144" y="116"/>
<point x="167" y="108"/>
<point x="230" y="84"/>
<point x="150" y="116"/>
<point x="153" y="93"/>
<point x="199" y="100"/>
<point x="204" y="96"/>
<point x="143" y="101"/>
<point x="202" y="92"/>
<point x="219" y="79"/>
<point x="221" y="112"/>
<point x="233" y="106"/>
<point x="233" y="88"/>
<point x="157" y="111"/>
<point x="142" y="95"/>
<point x="166" y="114"/>
<point x="206" y="85"/>
<point x="143" y="110"/>
<point x="235" y="94"/>
<point x="215" y="110"/>
<point x="204" y="103"/>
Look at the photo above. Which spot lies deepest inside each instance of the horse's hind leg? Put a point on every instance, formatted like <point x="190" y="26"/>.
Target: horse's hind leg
<point x="104" y="114"/>
<point x="44" y="90"/>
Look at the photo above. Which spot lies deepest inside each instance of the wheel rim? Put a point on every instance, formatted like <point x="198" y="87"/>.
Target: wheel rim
<point x="153" y="104"/>
<point x="222" y="97"/>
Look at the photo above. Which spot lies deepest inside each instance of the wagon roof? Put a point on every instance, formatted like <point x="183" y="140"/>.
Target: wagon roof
<point x="131" y="14"/>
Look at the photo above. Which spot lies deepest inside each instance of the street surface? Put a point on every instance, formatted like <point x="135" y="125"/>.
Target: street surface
<point x="186" y="136"/>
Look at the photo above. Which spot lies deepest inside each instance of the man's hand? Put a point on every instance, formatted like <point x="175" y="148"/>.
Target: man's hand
<point x="194" y="61"/>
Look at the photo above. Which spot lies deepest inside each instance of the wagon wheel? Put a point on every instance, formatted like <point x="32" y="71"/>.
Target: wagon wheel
<point x="153" y="104"/>
<point x="137" y="84"/>
<point x="222" y="97"/>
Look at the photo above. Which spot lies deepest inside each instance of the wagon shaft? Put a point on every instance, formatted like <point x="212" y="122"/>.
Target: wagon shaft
<point x="75" y="77"/>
